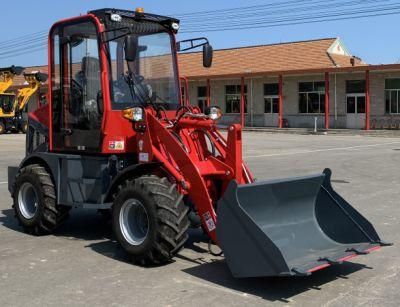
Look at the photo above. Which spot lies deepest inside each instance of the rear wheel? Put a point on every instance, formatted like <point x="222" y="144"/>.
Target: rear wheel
<point x="150" y="219"/>
<point x="24" y="127"/>
<point x="35" y="201"/>
<point x="2" y="128"/>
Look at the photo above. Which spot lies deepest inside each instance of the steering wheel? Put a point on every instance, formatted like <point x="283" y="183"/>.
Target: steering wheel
<point x="76" y="97"/>
<point x="141" y="90"/>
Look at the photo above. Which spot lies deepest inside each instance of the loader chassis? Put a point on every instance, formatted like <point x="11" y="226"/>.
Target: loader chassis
<point x="117" y="135"/>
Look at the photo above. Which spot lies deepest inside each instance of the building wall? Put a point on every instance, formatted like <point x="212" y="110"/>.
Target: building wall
<point x="338" y="99"/>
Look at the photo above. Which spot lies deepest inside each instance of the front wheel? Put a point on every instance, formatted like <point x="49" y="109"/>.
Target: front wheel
<point x="150" y="219"/>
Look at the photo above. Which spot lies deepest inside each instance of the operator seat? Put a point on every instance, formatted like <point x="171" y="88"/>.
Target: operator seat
<point x="91" y="76"/>
<point x="88" y="79"/>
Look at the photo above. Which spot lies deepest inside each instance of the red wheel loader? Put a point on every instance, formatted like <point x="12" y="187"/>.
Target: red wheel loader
<point x="117" y="136"/>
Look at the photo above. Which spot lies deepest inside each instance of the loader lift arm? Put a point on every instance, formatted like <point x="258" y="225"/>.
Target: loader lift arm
<point x="7" y="76"/>
<point x="34" y="81"/>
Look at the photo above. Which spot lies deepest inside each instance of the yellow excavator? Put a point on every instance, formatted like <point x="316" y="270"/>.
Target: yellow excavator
<point x="13" y="106"/>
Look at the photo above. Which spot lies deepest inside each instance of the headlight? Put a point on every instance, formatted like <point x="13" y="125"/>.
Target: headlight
<point x="214" y="113"/>
<point x="134" y="114"/>
<point x="116" y="17"/>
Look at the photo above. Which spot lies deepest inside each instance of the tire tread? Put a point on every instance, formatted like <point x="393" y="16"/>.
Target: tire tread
<point x="172" y="223"/>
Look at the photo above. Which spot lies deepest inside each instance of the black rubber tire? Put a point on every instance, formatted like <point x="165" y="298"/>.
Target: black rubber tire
<point x="24" y="127"/>
<point x="48" y="215"/>
<point x="167" y="219"/>
<point x="2" y="128"/>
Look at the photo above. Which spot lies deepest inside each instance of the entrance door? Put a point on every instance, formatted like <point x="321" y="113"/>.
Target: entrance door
<point x="271" y="112"/>
<point x="77" y="103"/>
<point x="355" y="111"/>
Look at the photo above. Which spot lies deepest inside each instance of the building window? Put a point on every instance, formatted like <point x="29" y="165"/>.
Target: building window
<point x="312" y="97"/>
<point x="202" y="97"/>
<point x="232" y="98"/>
<point x="271" y="98"/>
<point x="355" y="86"/>
<point x="392" y="96"/>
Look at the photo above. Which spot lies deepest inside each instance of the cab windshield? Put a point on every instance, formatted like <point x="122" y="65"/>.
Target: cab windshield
<point x="7" y="102"/>
<point x="152" y="73"/>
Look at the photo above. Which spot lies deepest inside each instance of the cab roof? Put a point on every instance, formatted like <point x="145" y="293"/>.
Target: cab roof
<point x="103" y="13"/>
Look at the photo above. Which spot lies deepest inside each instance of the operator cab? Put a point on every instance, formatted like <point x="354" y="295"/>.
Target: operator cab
<point x="7" y="102"/>
<point x="107" y="61"/>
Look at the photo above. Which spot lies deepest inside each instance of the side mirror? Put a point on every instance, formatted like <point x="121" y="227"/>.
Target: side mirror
<point x="131" y="48"/>
<point x="207" y="55"/>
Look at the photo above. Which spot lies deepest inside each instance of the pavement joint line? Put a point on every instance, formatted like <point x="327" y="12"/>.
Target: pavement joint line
<point x="321" y="150"/>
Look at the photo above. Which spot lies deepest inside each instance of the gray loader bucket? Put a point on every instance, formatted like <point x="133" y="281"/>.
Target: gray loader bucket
<point x="289" y="227"/>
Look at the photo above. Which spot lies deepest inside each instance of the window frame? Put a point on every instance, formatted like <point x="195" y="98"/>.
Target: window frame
<point x="202" y="99"/>
<point x="271" y="97"/>
<point x="320" y="93"/>
<point x="388" y="93"/>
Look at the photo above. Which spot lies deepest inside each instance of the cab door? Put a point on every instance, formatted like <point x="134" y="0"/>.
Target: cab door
<point x="76" y="88"/>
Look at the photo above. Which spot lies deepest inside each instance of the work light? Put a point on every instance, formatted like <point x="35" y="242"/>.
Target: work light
<point x="135" y="114"/>
<point x="214" y="113"/>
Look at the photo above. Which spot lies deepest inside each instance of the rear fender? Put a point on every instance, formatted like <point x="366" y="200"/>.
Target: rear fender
<point x="39" y="158"/>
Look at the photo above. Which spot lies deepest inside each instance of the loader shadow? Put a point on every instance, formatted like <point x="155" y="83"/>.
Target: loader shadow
<point x="8" y="220"/>
<point x="271" y="288"/>
<point x="96" y="230"/>
<point x="92" y="227"/>
<point x="81" y="225"/>
<point x="110" y="248"/>
<point x="85" y="225"/>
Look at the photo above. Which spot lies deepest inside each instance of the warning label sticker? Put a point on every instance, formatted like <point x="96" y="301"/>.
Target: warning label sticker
<point x="116" y="145"/>
<point x="209" y="221"/>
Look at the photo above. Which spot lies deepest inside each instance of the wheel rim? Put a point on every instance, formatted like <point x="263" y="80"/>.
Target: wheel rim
<point x="134" y="222"/>
<point x="27" y="200"/>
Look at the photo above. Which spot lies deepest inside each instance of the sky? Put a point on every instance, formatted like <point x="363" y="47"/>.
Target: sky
<point x="373" y="39"/>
